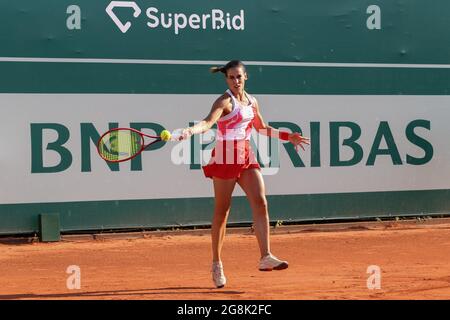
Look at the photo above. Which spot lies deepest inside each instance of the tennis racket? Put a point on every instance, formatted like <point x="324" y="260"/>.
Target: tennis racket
<point x="122" y="144"/>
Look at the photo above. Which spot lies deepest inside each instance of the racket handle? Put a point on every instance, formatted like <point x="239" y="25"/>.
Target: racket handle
<point x="176" y="135"/>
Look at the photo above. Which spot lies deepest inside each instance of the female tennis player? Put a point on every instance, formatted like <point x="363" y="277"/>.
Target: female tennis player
<point x="236" y="112"/>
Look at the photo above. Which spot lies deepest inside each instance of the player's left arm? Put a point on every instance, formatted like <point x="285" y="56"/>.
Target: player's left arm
<point x="259" y="124"/>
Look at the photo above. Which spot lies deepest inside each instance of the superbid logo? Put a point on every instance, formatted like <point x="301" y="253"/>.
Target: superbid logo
<point x="215" y="19"/>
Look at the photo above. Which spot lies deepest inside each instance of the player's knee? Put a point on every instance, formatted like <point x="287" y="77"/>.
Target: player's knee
<point x="221" y="210"/>
<point x="260" y="204"/>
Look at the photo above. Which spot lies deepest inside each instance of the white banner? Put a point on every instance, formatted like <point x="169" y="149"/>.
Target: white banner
<point x="410" y="131"/>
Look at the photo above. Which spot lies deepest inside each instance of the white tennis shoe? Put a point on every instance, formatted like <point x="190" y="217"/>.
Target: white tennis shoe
<point x="217" y="274"/>
<point x="270" y="262"/>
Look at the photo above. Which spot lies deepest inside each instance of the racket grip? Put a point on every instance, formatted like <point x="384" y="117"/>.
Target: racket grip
<point x="176" y="135"/>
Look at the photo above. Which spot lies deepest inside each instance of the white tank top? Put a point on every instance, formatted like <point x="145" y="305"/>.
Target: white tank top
<point x="238" y="124"/>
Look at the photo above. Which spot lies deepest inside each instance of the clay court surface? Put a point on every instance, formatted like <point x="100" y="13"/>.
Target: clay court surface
<point x="326" y="262"/>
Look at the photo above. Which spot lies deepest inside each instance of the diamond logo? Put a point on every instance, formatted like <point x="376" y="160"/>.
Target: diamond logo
<point x="122" y="4"/>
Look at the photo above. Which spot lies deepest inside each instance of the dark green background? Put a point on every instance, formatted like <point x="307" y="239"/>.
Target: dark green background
<point x="324" y="31"/>
<point x="413" y="31"/>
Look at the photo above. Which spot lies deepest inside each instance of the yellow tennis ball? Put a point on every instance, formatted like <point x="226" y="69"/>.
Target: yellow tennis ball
<point x="165" y="135"/>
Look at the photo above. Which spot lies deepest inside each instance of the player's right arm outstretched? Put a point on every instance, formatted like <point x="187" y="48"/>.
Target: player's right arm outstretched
<point x="216" y="112"/>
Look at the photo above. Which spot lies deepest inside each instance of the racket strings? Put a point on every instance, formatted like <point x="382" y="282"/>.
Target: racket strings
<point x="118" y="145"/>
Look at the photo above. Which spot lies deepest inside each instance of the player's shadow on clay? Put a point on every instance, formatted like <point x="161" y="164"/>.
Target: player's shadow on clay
<point x="119" y="293"/>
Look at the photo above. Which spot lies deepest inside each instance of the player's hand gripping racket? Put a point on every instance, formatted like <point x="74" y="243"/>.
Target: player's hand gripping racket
<point x="122" y="144"/>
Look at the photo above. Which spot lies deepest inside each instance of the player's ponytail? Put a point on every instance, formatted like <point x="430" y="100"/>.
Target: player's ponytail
<point x="229" y="65"/>
<point x="217" y="69"/>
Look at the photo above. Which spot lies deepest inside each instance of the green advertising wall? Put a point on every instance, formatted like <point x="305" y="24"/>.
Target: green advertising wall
<point x="343" y="49"/>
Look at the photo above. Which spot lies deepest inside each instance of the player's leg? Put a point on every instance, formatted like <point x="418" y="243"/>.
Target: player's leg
<point x="223" y="189"/>
<point x="252" y="182"/>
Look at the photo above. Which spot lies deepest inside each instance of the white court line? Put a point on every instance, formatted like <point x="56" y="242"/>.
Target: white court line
<point x="214" y="62"/>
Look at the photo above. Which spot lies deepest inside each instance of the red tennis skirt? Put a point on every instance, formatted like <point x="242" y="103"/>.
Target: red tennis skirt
<point x="229" y="159"/>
